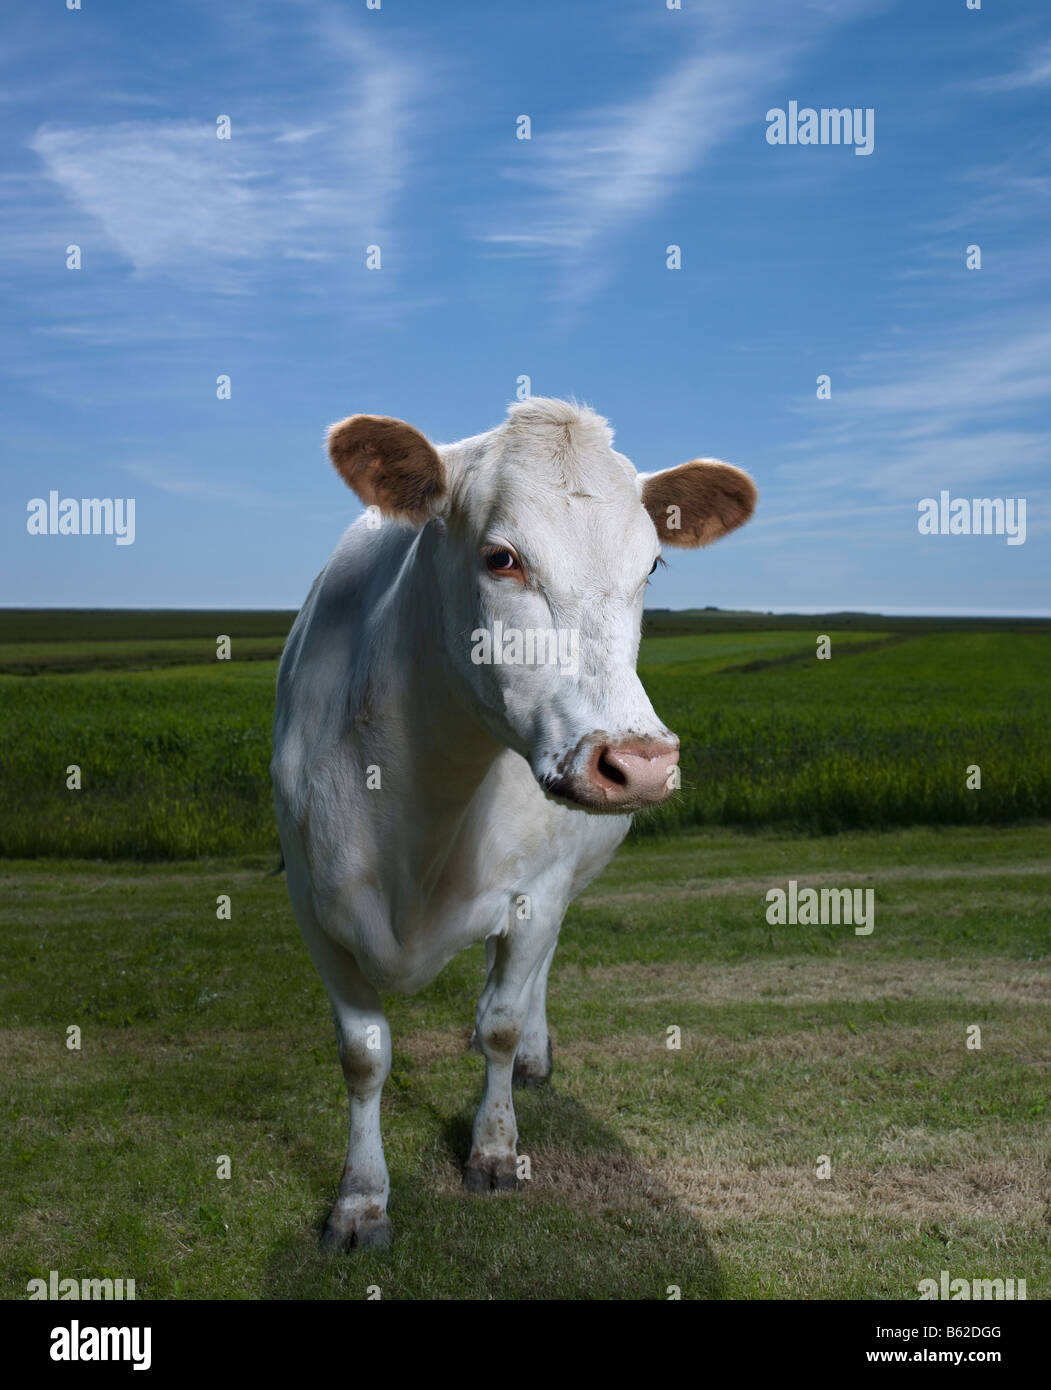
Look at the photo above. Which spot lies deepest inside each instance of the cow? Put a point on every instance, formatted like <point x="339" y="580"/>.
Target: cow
<point x="440" y="780"/>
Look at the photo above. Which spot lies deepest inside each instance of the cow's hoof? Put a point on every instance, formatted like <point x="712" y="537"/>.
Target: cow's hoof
<point x="485" y="1173"/>
<point x="532" y="1071"/>
<point x="365" y="1231"/>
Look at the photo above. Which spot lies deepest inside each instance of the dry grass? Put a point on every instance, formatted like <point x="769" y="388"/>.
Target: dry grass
<point x="989" y="979"/>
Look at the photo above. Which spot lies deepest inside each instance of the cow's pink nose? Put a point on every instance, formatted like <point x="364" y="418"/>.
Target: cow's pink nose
<point x="639" y="774"/>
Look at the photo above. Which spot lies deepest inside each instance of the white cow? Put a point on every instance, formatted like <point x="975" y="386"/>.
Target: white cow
<point x="461" y="737"/>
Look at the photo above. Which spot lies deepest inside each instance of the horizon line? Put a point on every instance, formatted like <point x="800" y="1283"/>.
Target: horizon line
<point x="803" y="611"/>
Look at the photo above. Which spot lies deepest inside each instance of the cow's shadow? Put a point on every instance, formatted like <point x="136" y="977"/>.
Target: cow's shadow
<point x="589" y="1222"/>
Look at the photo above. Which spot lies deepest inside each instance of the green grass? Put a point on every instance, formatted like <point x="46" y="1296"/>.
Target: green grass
<point x="78" y="625"/>
<point x="60" y="658"/>
<point x="174" y="763"/>
<point x="665" y="622"/>
<point x="697" y="654"/>
<point x="650" y="1167"/>
<point x="174" y="760"/>
<point x="874" y="736"/>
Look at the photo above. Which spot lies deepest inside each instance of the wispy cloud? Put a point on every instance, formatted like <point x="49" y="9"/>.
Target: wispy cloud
<point x="1033" y="71"/>
<point x="610" y="167"/>
<point x="614" y="165"/>
<point x="174" y="200"/>
<point x="966" y="412"/>
<point x="174" y="480"/>
<point x="976" y="378"/>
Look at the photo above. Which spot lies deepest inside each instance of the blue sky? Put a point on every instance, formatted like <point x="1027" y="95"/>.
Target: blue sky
<point x="504" y="257"/>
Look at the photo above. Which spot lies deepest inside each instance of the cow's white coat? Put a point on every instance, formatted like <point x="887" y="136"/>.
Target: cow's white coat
<point x="459" y="842"/>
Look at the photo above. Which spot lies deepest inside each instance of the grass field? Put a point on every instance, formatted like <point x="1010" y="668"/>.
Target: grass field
<point x="61" y="658"/>
<point x="174" y="759"/>
<point x="650" y="1167"/>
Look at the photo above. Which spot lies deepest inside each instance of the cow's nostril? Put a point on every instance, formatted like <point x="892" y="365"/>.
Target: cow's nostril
<point x="610" y="771"/>
<point x="632" y="774"/>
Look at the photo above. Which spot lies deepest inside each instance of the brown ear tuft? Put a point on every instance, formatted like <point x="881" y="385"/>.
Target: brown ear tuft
<point x="699" y="501"/>
<point x="389" y="465"/>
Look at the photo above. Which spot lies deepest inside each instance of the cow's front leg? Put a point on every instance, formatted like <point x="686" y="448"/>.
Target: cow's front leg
<point x="534" y="1060"/>
<point x="516" y="962"/>
<point x="359" y="1217"/>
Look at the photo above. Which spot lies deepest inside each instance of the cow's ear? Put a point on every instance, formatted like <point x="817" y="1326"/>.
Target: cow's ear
<point x="697" y="502"/>
<point x="389" y="465"/>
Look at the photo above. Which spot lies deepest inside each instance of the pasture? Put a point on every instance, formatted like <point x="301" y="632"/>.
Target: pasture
<point x="174" y="759"/>
<point x="651" y="1166"/>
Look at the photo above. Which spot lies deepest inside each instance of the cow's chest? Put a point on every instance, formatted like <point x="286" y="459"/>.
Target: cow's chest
<point x="515" y="864"/>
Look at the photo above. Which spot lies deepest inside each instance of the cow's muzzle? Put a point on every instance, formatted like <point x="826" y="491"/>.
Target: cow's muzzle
<point x="616" y="776"/>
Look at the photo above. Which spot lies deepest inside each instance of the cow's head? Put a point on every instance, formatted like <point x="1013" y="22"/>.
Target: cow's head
<point x="541" y="539"/>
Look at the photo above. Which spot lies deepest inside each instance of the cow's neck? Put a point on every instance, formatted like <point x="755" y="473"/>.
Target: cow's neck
<point x="447" y="750"/>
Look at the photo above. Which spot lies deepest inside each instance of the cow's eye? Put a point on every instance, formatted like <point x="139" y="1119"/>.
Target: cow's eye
<point x="500" y="560"/>
<point x="653" y="567"/>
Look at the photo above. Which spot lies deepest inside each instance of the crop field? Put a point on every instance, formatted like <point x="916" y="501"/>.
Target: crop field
<point x="174" y="759"/>
<point x="803" y="1049"/>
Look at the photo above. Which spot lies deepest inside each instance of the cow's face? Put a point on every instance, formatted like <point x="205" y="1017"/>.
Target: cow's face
<point x="542" y="539"/>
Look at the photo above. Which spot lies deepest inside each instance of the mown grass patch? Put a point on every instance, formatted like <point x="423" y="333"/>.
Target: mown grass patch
<point x="652" y="1167"/>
